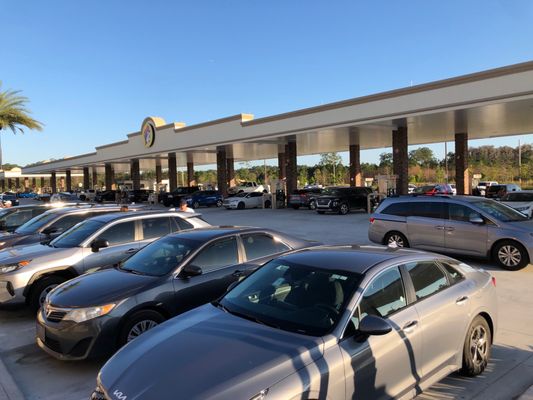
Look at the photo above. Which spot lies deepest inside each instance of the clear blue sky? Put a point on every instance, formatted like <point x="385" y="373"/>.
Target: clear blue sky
<point x="95" y="69"/>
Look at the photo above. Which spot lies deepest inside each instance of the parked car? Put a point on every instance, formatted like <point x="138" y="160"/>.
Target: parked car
<point x="139" y="196"/>
<point x="466" y="225"/>
<point x="97" y="242"/>
<point x="204" y="198"/>
<point x="173" y="199"/>
<point x="483" y="185"/>
<point x="247" y="187"/>
<point x="454" y="188"/>
<point x="243" y="200"/>
<point x="13" y="217"/>
<point x="327" y="323"/>
<point x="87" y="195"/>
<point x="107" y="195"/>
<point x="343" y="199"/>
<point x="92" y="314"/>
<point x="304" y="198"/>
<point x="51" y="224"/>
<point x="431" y="190"/>
<point x="9" y="196"/>
<point x="498" y="191"/>
<point x="521" y="201"/>
<point x="411" y="187"/>
<point x="63" y="196"/>
<point x="27" y="195"/>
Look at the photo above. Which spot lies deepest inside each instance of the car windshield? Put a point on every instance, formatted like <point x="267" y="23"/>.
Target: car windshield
<point x="34" y="224"/>
<point x="293" y="297"/>
<point x="525" y="197"/>
<point x="160" y="257"/>
<point x="77" y="234"/>
<point x="242" y="194"/>
<point x="332" y="192"/>
<point x="424" y="189"/>
<point x="500" y="211"/>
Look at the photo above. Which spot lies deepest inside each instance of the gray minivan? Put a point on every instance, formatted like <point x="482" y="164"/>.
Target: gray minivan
<point x="465" y="225"/>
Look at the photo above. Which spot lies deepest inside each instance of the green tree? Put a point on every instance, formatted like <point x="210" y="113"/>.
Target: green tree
<point x="423" y="156"/>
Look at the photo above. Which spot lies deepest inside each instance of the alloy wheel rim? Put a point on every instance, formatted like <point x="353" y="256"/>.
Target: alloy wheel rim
<point x="140" y="327"/>
<point x="479" y="345"/>
<point x="396" y="239"/>
<point x="45" y="292"/>
<point x="509" y="255"/>
<point x="344" y="208"/>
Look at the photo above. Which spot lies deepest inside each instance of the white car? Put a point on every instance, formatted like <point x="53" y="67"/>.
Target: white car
<point x="247" y="187"/>
<point x="454" y="188"/>
<point x="87" y="195"/>
<point x="483" y="185"/>
<point x="244" y="200"/>
<point x="521" y="201"/>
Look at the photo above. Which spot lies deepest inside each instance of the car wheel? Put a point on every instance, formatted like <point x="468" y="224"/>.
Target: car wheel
<point x="268" y="204"/>
<point x="40" y="290"/>
<point x="139" y="323"/>
<point x="396" y="237"/>
<point x="295" y="207"/>
<point x="195" y="204"/>
<point x="344" y="209"/>
<point x="510" y="255"/>
<point x="219" y="203"/>
<point x="321" y="212"/>
<point x="241" y="206"/>
<point x="312" y="205"/>
<point x="477" y="347"/>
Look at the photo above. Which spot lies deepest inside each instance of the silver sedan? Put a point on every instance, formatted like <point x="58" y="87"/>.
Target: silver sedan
<point x="343" y="322"/>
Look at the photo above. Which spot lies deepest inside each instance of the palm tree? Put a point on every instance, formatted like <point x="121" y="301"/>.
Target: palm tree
<point x="14" y="115"/>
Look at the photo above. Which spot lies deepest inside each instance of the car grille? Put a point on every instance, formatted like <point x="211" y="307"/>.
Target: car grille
<point x="323" y="202"/>
<point x="52" y="344"/>
<point x="55" y="316"/>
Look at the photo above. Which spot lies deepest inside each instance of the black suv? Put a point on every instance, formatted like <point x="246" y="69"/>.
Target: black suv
<point x="174" y="198"/>
<point x="139" y="196"/>
<point x="498" y="191"/>
<point x="304" y="198"/>
<point x="107" y="195"/>
<point x="343" y="199"/>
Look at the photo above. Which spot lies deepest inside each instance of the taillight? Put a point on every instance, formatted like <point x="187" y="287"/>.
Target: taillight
<point x="493" y="279"/>
<point x="372" y="219"/>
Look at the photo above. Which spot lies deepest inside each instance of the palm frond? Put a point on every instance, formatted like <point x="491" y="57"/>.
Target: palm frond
<point x="13" y="112"/>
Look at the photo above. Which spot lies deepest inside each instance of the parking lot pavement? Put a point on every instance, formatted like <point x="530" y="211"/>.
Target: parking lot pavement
<point x="508" y="375"/>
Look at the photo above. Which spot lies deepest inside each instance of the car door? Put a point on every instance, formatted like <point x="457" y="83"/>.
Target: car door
<point x="425" y="225"/>
<point x="154" y="228"/>
<point x="123" y="242"/>
<point x="465" y="231"/>
<point x="218" y="260"/>
<point x="255" y="199"/>
<point x="443" y="311"/>
<point x="208" y="198"/>
<point x="388" y="366"/>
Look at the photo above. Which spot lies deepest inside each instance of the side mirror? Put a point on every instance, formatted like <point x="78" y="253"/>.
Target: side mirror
<point x="99" y="244"/>
<point x="189" y="271"/>
<point x="374" y="326"/>
<point x="476" y="220"/>
<point x="48" y="231"/>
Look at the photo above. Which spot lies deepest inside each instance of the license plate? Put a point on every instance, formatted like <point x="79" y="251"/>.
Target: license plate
<point x="41" y="332"/>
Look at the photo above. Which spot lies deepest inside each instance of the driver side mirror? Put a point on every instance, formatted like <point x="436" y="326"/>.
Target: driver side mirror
<point x="99" y="244"/>
<point x="476" y="220"/>
<point x="189" y="271"/>
<point x="48" y="231"/>
<point x="374" y="326"/>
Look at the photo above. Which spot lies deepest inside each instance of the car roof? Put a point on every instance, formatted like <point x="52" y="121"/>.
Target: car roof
<point x="139" y="213"/>
<point x="204" y="234"/>
<point x="351" y="258"/>
<point x="445" y="197"/>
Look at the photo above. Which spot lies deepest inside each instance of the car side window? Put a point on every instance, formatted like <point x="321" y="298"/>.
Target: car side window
<point x="453" y="275"/>
<point x="68" y="221"/>
<point x="258" y="245"/>
<point x="18" y="218"/>
<point x="181" y="224"/>
<point x="123" y="232"/>
<point x="217" y="255"/>
<point x="427" y="278"/>
<point x="398" y="209"/>
<point x="428" y="209"/>
<point x="155" y="227"/>
<point x="458" y="212"/>
<point x="256" y="194"/>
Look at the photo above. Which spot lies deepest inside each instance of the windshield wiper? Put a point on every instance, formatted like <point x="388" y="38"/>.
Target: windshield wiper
<point x="133" y="271"/>
<point x="245" y="316"/>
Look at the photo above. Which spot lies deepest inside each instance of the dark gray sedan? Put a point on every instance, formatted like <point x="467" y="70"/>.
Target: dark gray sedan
<point x="94" y="314"/>
<point x="329" y="322"/>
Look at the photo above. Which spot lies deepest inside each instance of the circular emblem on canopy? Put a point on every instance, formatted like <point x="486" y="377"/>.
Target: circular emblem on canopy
<point x="148" y="133"/>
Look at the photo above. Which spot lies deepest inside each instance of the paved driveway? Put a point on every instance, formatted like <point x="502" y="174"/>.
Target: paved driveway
<point x="509" y="374"/>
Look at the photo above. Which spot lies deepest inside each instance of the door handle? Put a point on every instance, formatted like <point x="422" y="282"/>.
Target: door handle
<point x="408" y="327"/>
<point x="461" y="300"/>
<point x="440" y="228"/>
<point x="238" y="273"/>
<point x="449" y="229"/>
<point x="131" y="251"/>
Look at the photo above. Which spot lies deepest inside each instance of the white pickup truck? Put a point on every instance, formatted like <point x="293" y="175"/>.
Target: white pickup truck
<point x="247" y="187"/>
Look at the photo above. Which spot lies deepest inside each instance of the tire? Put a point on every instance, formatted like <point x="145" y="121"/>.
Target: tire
<point x="477" y="347"/>
<point x="312" y="205"/>
<point x="295" y="207"/>
<point x="344" y="209"/>
<point x="510" y="255"/>
<point x="399" y="238"/>
<point x="241" y="206"/>
<point x="137" y="324"/>
<point x="196" y="205"/>
<point x="321" y="212"/>
<point x="41" y="288"/>
<point x="268" y="204"/>
<point x="219" y="203"/>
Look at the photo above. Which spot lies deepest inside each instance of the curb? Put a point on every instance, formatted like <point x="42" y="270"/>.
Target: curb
<point x="8" y="388"/>
<point x="528" y="394"/>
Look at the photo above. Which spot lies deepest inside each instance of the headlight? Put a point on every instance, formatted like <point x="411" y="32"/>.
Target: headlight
<point x="2" y="243"/>
<point x="13" y="267"/>
<point x="261" y="395"/>
<point x="85" y="314"/>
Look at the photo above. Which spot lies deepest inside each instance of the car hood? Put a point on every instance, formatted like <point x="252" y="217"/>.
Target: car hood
<point x="31" y="251"/>
<point x="97" y="288"/>
<point x="207" y="354"/>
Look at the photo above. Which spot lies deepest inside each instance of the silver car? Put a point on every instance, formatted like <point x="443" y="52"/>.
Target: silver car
<point x="30" y="272"/>
<point x="343" y="322"/>
<point x="465" y="225"/>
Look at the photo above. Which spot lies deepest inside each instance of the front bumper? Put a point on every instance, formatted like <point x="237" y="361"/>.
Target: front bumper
<point x="232" y="206"/>
<point x="68" y="340"/>
<point x="12" y="287"/>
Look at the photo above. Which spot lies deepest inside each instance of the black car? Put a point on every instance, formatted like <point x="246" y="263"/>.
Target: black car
<point x="139" y="196"/>
<point x="498" y="191"/>
<point x="343" y="199"/>
<point x="173" y="199"/>
<point x="93" y="314"/>
<point x="304" y="198"/>
<point x="13" y="217"/>
<point x="9" y="196"/>
<point x="107" y="195"/>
